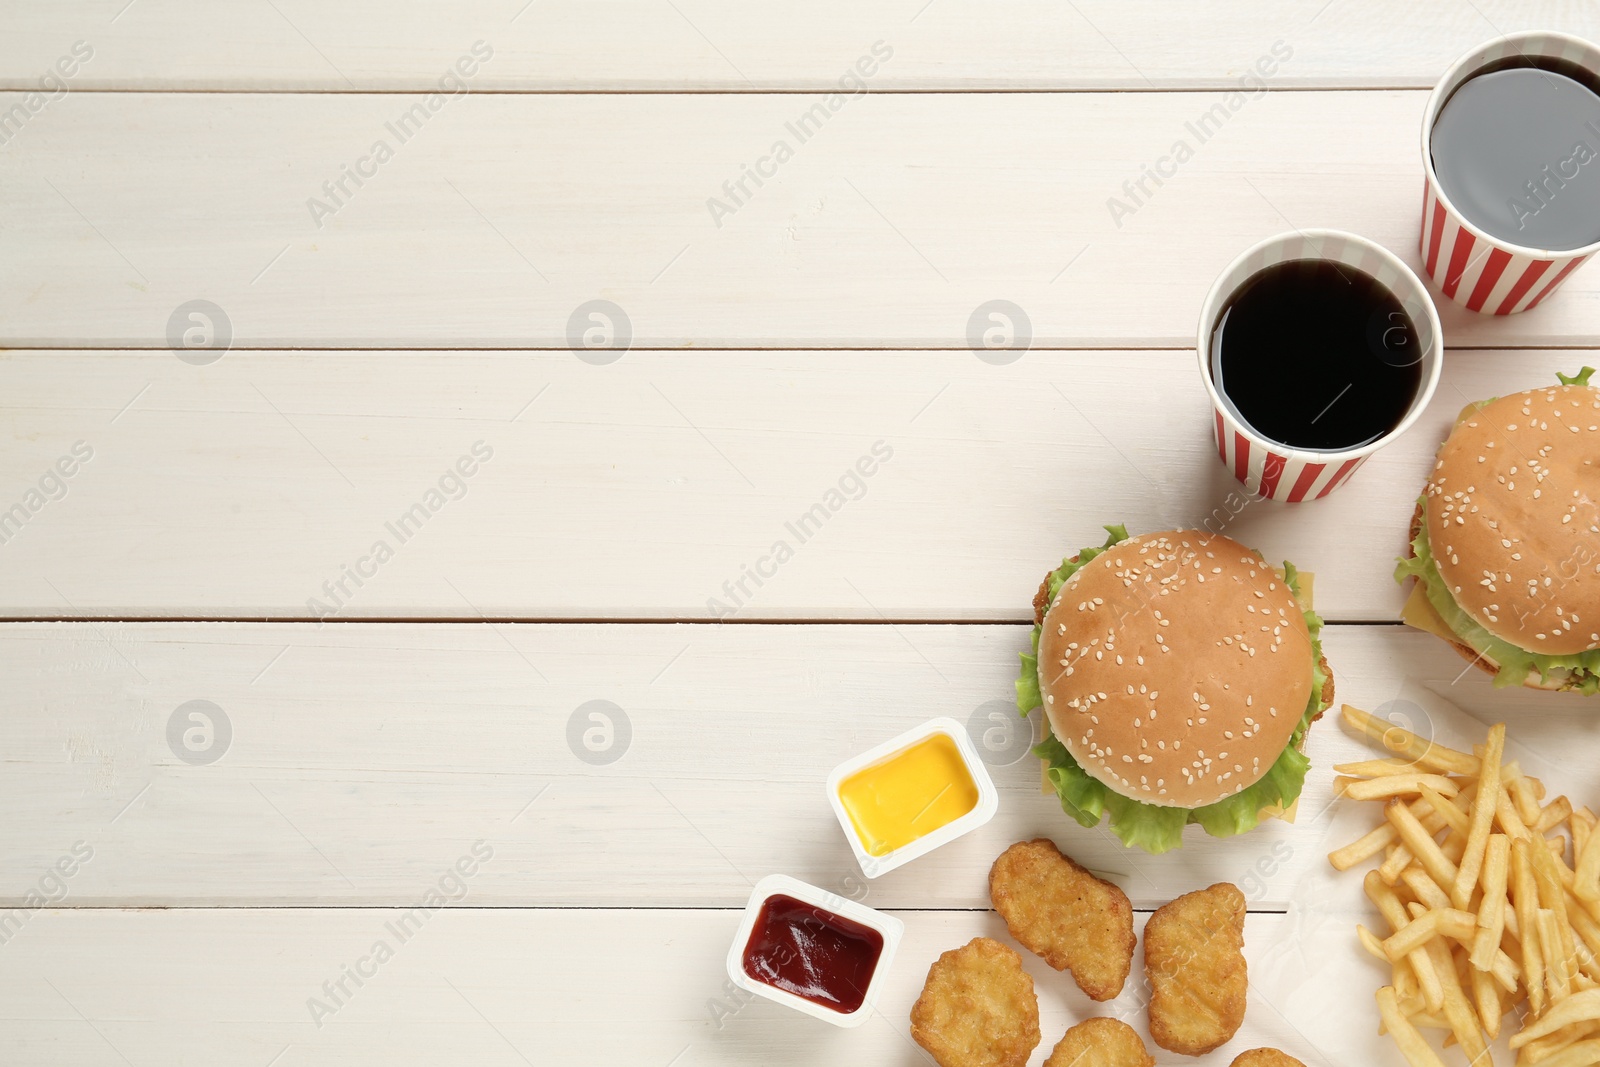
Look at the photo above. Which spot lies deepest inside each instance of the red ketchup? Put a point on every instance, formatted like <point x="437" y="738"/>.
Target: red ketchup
<point x="812" y="953"/>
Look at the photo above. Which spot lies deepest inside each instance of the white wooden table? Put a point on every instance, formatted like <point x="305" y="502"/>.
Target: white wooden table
<point x="371" y="734"/>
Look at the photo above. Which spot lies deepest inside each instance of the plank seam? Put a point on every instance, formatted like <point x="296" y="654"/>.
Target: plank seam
<point x="1120" y="346"/>
<point x="821" y="90"/>
<point x="582" y="620"/>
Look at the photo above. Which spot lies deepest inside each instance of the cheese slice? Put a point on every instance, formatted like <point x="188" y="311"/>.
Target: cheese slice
<point x="1419" y="612"/>
<point x="1308" y="582"/>
<point x="1278" y="811"/>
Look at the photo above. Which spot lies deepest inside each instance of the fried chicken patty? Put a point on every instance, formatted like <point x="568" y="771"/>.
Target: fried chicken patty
<point x="977" y="1008"/>
<point x="1065" y="915"/>
<point x="1194" y="960"/>
<point x="1265" y="1057"/>
<point x="1100" y="1043"/>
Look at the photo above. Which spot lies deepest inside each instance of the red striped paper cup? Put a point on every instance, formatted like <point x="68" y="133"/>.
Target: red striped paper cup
<point x="1468" y="264"/>
<point x="1270" y="469"/>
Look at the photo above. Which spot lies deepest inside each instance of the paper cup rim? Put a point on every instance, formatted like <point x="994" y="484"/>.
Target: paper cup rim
<point x="1472" y="59"/>
<point x="1213" y="304"/>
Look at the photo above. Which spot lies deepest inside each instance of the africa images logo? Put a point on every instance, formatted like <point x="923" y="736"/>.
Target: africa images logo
<point x="337" y="191"/>
<point x="738" y="192"/>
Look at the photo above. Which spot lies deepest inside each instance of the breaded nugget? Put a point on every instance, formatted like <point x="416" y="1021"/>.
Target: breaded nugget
<point x="1073" y="920"/>
<point x="977" y="1008"/>
<point x="1100" y="1043"/>
<point x="1265" y="1057"/>
<point x="1194" y="960"/>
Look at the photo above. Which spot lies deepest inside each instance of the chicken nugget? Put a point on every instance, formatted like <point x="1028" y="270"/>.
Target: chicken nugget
<point x="1071" y="919"/>
<point x="1265" y="1057"/>
<point x="1100" y="1043"/>
<point x="977" y="1008"/>
<point x="1194" y="960"/>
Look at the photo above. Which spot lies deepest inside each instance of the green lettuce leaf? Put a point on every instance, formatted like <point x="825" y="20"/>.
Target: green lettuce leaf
<point x="1581" y="378"/>
<point x="1515" y="662"/>
<point x="1028" y="695"/>
<point x="1150" y="827"/>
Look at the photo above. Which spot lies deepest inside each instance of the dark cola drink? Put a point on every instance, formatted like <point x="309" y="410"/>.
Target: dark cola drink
<point x="1317" y="355"/>
<point x="1517" y="151"/>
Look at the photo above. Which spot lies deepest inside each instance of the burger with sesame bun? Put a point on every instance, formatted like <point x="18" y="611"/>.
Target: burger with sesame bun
<point x="1505" y="543"/>
<point x="1179" y="674"/>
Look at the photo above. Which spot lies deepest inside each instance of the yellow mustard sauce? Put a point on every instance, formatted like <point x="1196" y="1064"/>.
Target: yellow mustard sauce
<point x="909" y="795"/>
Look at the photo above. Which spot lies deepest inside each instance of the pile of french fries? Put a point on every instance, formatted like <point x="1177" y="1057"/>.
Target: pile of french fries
<point x="1486" y="915"/>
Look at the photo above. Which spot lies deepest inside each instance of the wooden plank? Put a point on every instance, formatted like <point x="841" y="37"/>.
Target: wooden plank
<point x="494" y="220"/>
<point x="359" y="761"/>
<point x="650" y="488"/>
<point x="509" y="987"/>
<point x="636" y="45"/>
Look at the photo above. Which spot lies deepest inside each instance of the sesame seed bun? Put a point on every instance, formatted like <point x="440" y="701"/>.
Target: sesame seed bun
<point x="1175" y="667"/>
<point x="1559" y="679"/>
<point x="1514" y="534"/>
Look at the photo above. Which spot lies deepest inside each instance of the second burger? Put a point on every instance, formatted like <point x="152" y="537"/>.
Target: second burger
<point x="1179" y="674"/>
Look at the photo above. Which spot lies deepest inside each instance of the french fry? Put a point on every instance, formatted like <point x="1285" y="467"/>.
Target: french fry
<point x="1525" y="901"/>
<point x="1405" y="984"/>
<point x="1582" y="823"/>
<point x="1554" y="814"/>
<point x="1383" y="836"/>
<point x="1363" y="848"/>
<point x="1553" y="897"/>
<point x="1586" y="879"/>
<point x="1375" y="768"/>
<point x="1452" y="815"/>
<point x="1388" y="902"/>
<point x="1557" y="847"/>
<point x="1392" y="868"/>
<point x="1555" y="971"/>
<point x="1541" y="1049"/>
<point x="1418" y="1053"/>
<point x="1588" y="931"/>
<point x="1483" y="810"/>
<point x="1405" y="979"/>
<point x="1578" y="1008"/>
<point x="1390" y="907"/>
<point x="1453" y="925"/>
<point x="1521" y="791"/>
<point x="1591" y="907"/>
<point x="1421" y="844"/>
<point x="1492" y="912"/>
<point x="1423" y="927"/>
<point x="1459" y="926"/>
<point x="1424" y="888"/>
<point x="1486" y="999"/>
<point x="1371" y="942"/>
<point x="1505" y="813"/>
<point x="1505" y="972"/>
<point x="1395" y="785"/>
<point x="1583" y="1054"/>
<point x="1457" y="1011"/>
<point x="1427" y="924"/>
<point x="1408" y="745"/>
